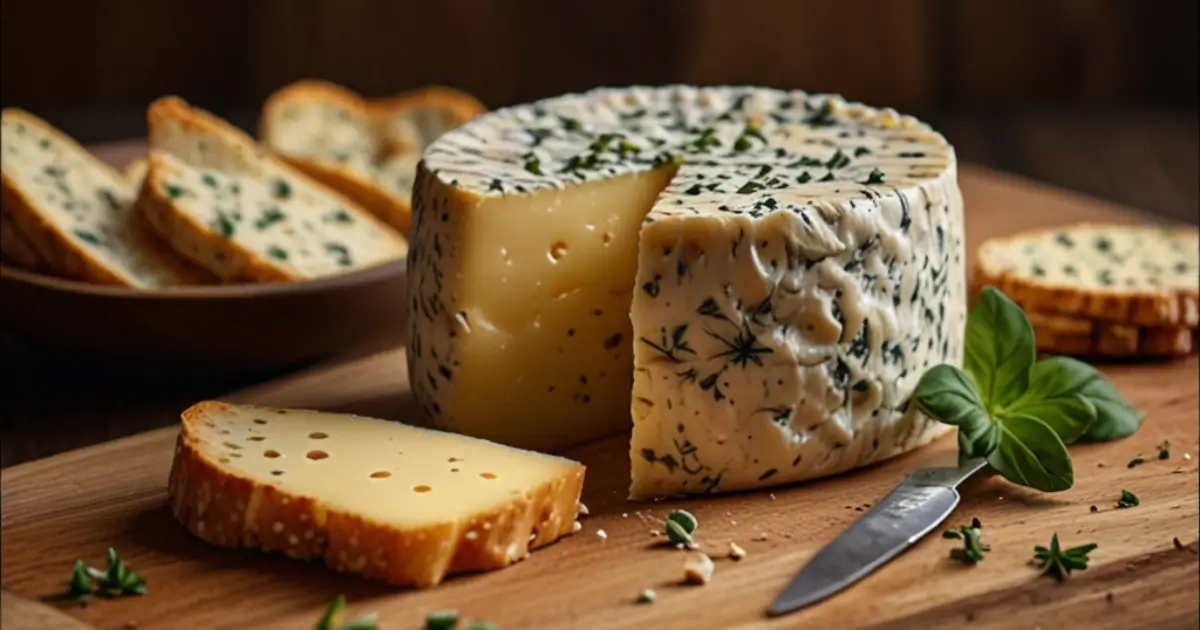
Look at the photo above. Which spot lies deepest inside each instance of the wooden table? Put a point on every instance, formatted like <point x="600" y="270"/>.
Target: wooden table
<point x="72" y="506"/>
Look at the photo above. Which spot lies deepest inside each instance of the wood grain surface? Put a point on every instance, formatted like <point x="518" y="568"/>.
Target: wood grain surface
<point x="77" y="504"/>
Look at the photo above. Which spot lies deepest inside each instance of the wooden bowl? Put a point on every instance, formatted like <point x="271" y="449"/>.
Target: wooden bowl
<point x="213" y="330"/>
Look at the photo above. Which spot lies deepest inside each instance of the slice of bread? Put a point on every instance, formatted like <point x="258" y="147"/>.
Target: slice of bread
<point x="135" y="172"/>
<point x="379" y="499"/>
<point x="1136" y="275"/>
<point x="77" y="213"/>
<point x="228" y="205"/>
<point x="15" y="248"/>
<point x="349" y="143"/>
<point x="1076" y="336"/>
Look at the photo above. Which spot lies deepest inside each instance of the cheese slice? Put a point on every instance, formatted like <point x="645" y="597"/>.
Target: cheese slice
<point x="380" y="499"/>
<point x="757" y="278"/>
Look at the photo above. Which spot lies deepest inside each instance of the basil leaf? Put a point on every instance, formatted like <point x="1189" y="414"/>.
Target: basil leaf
<point x="1115" y="419"/>
<point x="999" y="348"/>
<point x="1031" y="454"/>
<point x="1069" y="416"/>
<point x="947" y="394"/>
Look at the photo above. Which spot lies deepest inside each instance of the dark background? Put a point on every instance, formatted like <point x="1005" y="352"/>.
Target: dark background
<point x="1095" y="95"/>
<point x="1099" y="96"/>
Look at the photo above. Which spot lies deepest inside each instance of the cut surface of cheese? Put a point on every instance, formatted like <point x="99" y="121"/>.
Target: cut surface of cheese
<point x="772" y="270"/>
<point x="76" y="214"/>
<point x="380" y="499"/>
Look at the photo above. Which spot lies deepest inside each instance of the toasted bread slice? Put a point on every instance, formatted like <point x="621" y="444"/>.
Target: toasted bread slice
<point x="228" y="205"/>
<point x="349" y="143"/>
<point x="15" y="248"/>
<point x="135" y="172"/>
<point x="77" y="213"/>
<point x="1070" y="335"/>
<point x="1135" y="275"/>
<point x="379" y="499"/>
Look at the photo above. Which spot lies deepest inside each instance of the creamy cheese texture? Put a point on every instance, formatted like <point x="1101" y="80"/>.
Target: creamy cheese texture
<point x="1113" y="259"/>
<point x="769" y="273"/>
<point x="383" y="471"/>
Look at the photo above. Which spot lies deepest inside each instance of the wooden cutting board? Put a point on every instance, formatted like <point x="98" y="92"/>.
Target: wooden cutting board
<point x="78" y="504"/>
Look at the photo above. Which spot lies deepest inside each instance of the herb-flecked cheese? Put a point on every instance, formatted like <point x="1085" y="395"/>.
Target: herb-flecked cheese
<point x="76" y="214"/>
<point x="757" y="277"/>
<point x="246" y="216"/>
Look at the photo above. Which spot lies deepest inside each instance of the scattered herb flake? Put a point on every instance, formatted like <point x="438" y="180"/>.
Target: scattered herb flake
<point x="1164" y="450"/>
<point x="1128" y="500"/>
<point x="277" y="253"/>
<point x="647" y="596"/>
<point x="332" y="618"/>
<point x="1058" y="564"/>
<point x="1136" y="461"/>
<point x="876" y="177"/>
<point x="441" y="620"/>
<point x="87" y="237"/>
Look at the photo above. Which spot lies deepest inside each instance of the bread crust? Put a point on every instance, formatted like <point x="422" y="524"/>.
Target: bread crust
<point x="16" y="249"/>
<point x="227" y="509"/>
<point x="1166" y="307"/>
<point x="194" y="240"/>
<point x="384" y="203"/>
<point x="1062" y="334"/>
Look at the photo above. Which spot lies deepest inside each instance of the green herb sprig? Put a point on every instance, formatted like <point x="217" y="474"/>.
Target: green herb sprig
<point x="441" y="620"/>
<point x="332" y="619"/>
<point x="1017" y="412"/>
<point x="973" y="548"/>
<point x="116" y="580"/>
<point x="1057" y="563"/>
<point x="681" y="525"/>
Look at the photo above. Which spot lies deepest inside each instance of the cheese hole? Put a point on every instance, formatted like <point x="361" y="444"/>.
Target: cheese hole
<point x="316" y="455"/>
<point x="453" y="470"/>
<point x="272" y="453"/>
<point x="256" y="438"/>
<point x="233" y="446"/>
<point x="225" y="431"/>
<point x="259" y="421"/>
<point x="277" y="472"/>
<point x="223" y="460"/>
<point x="608" y="237"/>
<point x="317" y="435"/>
<point x="487" y="475"/>
<point x="557" y="251"/>
<point x="235" y="454"/>
<point x="421" y="488"/>
<point x="454" y="459"/>
<point x="380" y="474"/>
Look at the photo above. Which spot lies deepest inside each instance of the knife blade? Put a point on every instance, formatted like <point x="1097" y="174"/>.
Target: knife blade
<point x="922" y="501"/>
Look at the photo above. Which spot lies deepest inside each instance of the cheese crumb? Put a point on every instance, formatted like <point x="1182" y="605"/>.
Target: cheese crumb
<point x="698" y="569"/>
<point x="583" y="510"/>
<point x="736" y="552"/>
<point x="602" y="534"/>
<point x="772" y="495"/>
<point x="1187" y="456"/>
<point x="576" y="526"/>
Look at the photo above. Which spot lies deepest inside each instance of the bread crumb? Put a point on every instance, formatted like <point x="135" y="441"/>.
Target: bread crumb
<point x="698" y="569"/>
<point x="624" y="515"/>
<point x="583" y="510"/>
<point x="1187" y="457"/>
<point x="655" y="532"/>
<point x="576" y="526"/>
<point x="736" y="552"/>
<point x="772" y="495"/>
<point x="761" y="537"/>
<point x="602" y="534"/>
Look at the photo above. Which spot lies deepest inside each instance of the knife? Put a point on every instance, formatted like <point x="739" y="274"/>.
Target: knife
<point x="922" y="501"/>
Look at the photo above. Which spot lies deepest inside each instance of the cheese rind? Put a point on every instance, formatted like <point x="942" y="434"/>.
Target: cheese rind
<point x="798" y="263"/>
<point x="379" y="499"/>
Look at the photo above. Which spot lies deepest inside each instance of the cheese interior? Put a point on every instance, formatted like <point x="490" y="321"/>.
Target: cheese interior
<point x="382" y="471"/>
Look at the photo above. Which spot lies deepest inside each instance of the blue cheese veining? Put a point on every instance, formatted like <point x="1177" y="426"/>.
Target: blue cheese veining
<point x="768" y="272"/>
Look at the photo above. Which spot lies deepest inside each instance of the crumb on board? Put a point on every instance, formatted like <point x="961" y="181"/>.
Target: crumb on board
<point x="583" y="510"/>
<point x="576" y="526"/>
<point x="698" y="569"/>
<point x="735" y="551"/>
<point x="602" y="534"/>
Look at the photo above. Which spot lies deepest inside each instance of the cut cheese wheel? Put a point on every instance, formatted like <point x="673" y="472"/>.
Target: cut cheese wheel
<point x="375" y="498"/>
<point x="757" y="277"/>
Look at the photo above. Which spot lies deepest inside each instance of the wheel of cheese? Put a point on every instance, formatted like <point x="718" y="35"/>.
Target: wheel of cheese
<point x="754" y="279"/>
